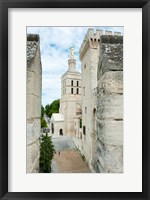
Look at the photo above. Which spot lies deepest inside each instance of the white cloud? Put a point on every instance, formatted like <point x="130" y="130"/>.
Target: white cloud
<point x="55" y="44"/>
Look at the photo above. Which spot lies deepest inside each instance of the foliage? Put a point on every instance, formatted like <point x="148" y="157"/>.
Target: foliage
<point x="80" y="122"/>
<point x="42" y="111"/>
<point x="46" y="153"/>
<point x="52" y="108"/>
<point x="43" y="123"/>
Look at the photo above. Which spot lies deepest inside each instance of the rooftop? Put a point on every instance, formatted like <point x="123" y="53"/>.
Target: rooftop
<point x="57" y="117"/>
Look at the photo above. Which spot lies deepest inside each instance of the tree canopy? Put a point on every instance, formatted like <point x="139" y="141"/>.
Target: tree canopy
<point x="52" y="108"/>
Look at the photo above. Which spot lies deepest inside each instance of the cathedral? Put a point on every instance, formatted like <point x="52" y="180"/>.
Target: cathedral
<point x="67" y="121"/>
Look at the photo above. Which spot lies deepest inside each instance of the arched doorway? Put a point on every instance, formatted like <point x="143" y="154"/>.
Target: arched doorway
<point x="61" y="132"/>
<point x="52" y="128"/>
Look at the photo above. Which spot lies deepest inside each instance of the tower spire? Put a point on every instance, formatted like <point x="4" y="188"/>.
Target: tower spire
<point x="72" y="61"/>
<point x="71" y="53"/>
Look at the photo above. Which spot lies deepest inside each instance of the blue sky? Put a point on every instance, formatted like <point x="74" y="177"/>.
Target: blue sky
<point x="55" y="44"/>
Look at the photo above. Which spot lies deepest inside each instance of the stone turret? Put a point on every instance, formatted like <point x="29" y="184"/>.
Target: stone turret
<point x="91" y="40"/>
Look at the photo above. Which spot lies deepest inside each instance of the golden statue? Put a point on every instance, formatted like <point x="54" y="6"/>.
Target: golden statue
<point x="71" y="53"/>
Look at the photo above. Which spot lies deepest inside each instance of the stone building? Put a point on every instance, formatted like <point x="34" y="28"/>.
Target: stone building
<point x="110" y="105"/>
<point x="57" y="124"/>
<point x="89" y="56"/>
<point x="102" y="108"/>
<point x="70" y="103"/>
<point x="33" y="99"/>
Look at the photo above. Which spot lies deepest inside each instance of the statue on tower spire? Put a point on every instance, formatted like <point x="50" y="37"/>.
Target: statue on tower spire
<point x="71" y="53"/>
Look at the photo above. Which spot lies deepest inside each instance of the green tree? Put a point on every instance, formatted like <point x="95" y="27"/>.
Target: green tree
<point x="52" y="108"/>
<point x="43" y="123"/>
<point x="42" y="111"/>
<point x="46" y="153"/>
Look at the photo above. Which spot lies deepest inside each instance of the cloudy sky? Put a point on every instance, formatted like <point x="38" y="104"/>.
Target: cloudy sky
<point x="55" y="44"/>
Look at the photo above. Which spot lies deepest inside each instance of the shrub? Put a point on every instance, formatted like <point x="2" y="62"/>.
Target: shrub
<point x="43" y="123"/>
<point x="46" y="153"/>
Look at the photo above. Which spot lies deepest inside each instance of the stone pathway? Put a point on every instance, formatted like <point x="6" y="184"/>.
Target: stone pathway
<point x="69" y="160"/>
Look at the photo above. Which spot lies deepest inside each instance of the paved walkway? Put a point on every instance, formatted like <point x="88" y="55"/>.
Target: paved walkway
<point x="69" y="160"/>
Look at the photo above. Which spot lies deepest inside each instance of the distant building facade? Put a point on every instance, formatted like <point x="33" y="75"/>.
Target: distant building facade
<point x="70" y="103"/>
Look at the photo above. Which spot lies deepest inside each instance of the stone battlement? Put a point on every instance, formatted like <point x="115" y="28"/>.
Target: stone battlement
<point x="92" y="39"/>
<point x="33" y="41"/>
<point x="111" y="39"/>
<point x="33" y="37"/>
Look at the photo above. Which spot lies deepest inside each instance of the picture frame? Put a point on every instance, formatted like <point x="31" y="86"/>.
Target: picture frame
<point x="4" y="116"/>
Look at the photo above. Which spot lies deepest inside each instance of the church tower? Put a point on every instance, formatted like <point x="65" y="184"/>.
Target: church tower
<point x="70" y="104"/>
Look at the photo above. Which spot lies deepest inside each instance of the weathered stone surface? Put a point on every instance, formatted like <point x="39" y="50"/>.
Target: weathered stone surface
<point x="111" y="82"/>
<point x="33" y="130"/>
<point x="111" y="55"/>
<point x="33" y="106"/>
<point x="110" y="105"/>
<point x="114" y="158"/>
<point x="110" y="158"/>
<point x="33" y="102"/>
<point x="111" y="39"/>
<point x="110" y="132"/>
<point x="33" y="157"/>
<point x="33" y="83"/>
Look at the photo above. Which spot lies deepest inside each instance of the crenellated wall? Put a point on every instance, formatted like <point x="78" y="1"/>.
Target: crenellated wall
<point x="110" y="105"/>
<point x="33" y="110"/>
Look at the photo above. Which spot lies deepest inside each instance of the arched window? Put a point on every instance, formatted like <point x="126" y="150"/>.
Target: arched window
<point x="71" y="90"/>
<point x="71" y="83"/>
<point x="52" y="128"/>
<point x="77" y="83"/>
<point x="94" y="119"/>
<point x="84" y="130"/>
<point x="77" y="90"/>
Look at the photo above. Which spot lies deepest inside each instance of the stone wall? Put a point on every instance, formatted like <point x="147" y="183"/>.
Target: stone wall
<point x="110" y="105"/>
<point x="89" y="56"/>
<point x="33" y="101"/>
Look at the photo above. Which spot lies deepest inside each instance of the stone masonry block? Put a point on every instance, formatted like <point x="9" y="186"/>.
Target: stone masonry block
<point x="114" y="158"/>
<point x="32" y="155"/>
<point x="33" y="106"/>
<point x="33" y="130"/>
<point x="110" y="132"/>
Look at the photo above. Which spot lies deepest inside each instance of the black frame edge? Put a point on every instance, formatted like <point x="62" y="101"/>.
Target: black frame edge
<point x="4" y="194"/>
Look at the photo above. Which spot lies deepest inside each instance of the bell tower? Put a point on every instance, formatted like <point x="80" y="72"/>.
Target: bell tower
<point x="70" y="104"/>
